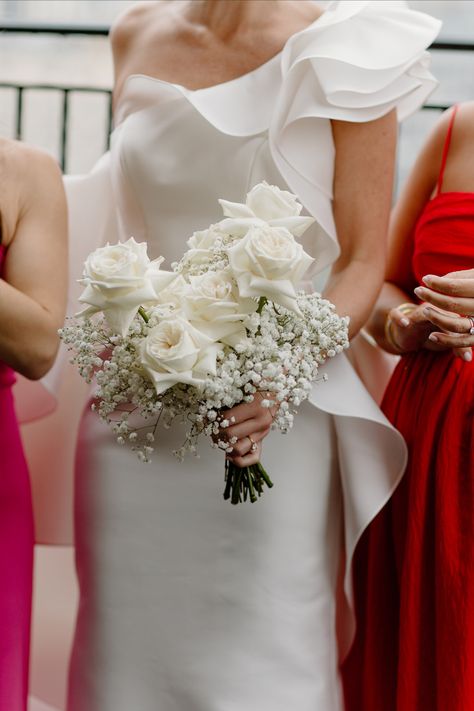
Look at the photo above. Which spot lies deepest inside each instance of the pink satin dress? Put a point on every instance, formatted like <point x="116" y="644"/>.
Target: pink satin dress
<point x="16" y="552"/>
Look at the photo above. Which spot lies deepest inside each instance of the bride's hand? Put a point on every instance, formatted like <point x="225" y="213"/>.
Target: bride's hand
<point x="250" y="423"/>
<point x="453" y="297"/>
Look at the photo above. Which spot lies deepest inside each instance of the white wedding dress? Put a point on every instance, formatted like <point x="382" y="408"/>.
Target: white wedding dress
<point x="188" y="603"/>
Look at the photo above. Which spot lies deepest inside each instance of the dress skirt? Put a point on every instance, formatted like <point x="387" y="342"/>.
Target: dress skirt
<point x="414" y="568"/>
<point x="191" y="604"/>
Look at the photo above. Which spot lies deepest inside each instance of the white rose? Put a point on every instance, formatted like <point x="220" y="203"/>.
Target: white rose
<point x="269" y="262"/>
<point x="201" y="243"/>
<point x="212" y="303"/>
<point x="176" y="352"/>
<point x="119" y="278"/>
<point x="270" y="203"/>
<point x="170" y="299"/>
<point x="265" y="203"/>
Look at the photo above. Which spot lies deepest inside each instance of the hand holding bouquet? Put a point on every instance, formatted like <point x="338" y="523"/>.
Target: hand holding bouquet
<point x="226" y="323"/>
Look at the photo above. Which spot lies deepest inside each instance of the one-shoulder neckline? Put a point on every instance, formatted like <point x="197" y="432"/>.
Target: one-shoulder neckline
<point x="253" y="72"/>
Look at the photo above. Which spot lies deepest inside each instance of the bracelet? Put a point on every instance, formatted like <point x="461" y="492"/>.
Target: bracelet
<point x="405" y="308"/>
<point x="389" y="337"/>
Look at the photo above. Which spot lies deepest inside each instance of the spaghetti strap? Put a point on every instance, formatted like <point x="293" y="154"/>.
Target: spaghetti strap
<point x="446" y="149"/>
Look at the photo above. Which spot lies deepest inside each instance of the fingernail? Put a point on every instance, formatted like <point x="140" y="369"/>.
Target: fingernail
<point x="404" y="321"/>
<point x="418" y="291"/>
<point x="467" y="356"/>
<point x="433" y="338"/>
<point x="426" y="279"/>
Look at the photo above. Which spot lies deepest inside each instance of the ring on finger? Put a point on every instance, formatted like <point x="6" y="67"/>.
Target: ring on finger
<point x="471" y="321"/>
<point x="253" y="444"/>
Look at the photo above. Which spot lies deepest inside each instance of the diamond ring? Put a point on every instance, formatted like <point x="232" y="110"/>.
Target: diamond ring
<point x="254" y="445"/>
<point x="471" y="321"/>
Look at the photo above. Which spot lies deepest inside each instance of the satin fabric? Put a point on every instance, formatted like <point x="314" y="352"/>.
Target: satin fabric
<point x="186" y="602"/>
<point x="16" y="552"/>
<point x="413" y="569"/>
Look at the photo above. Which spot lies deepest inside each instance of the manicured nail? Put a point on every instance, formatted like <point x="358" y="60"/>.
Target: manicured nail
<point x="404" y="321"/>
<point x="433" y="338"/>
<point x="427" y="279"/>
<point x="467" y="356"/>
<point x="418" y="291"/>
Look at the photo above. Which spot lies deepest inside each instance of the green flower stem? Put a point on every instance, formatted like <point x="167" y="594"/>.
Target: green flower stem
<point x="245" y="483"/>
<point x="143" y="314"/>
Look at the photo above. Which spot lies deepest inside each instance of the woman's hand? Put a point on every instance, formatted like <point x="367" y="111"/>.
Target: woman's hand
<point x="250" y="423"/>
<point x="450" y="300"/>
<point x="411" y="332"/>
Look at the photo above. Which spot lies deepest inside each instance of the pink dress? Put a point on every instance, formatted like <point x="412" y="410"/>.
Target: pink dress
<point x="16" y="552"/>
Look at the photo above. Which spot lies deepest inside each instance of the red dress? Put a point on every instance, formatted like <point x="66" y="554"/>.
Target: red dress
<point x="414" y="568"/>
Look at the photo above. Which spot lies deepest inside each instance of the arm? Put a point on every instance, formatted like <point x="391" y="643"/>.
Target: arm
<point x="408" y="333"/>
<point x="363" y="179"/>
<point x="33" y="287"/>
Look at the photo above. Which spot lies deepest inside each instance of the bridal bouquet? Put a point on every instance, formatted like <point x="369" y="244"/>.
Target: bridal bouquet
<point x="225" y="323"/>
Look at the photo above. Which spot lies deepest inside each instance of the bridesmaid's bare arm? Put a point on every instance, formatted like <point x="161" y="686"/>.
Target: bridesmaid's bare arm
<point x="33" y="284"/>
<point x="409" y="333"/>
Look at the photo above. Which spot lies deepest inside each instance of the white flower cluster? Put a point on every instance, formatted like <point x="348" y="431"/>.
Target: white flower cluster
<point x="227" y="322"/>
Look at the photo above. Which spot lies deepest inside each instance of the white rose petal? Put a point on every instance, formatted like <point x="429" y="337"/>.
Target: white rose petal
<point x="269" y="262"/>
<point x="170" y="299"/>
<point x="265" y="204"/>
<point x="118" y="279"/>
<point x="270" y="203"/>
<point x="176" y="352"/>
<point x="201" y="243"/>
<point x="212" y="303"/>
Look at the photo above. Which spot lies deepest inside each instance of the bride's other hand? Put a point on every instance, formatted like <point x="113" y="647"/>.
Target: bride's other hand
<point x="250" y="423"/>
<point x="450" y="300"/>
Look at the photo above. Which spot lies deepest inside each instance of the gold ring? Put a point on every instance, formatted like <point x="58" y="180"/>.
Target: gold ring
<point x="253" y="445"/>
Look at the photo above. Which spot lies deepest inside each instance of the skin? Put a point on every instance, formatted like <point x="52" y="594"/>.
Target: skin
<point x="33" y="284"/>
<point x="439" y="322"/>
<point x="207" y="42"/>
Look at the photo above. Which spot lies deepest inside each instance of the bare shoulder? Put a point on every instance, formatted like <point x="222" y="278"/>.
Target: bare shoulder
<point x="33" y="176"/>
<point x="307" y="12"/>
<point x="130" y="23"/>
<point x="428" y="161"/>
<point x="20" y="160"/>
<point x="464" y="122"/>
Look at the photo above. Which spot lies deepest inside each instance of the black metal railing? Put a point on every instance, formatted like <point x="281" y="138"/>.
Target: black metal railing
<point x="66" y="92"/>
<point x="102" y="31"/>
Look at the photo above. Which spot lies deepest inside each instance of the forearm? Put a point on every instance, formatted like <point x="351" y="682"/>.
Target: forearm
<point x="390" y="297"/>
<point x="354" y="290"/>
<point x="28" y="333"/>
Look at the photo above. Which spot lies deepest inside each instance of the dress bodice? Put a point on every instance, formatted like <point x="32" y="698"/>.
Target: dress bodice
<point x="444" y="235"/>
<point x="172" y="165"/>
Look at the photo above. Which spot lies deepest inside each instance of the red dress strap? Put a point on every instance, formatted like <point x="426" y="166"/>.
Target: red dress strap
<point x="447" y="142"/>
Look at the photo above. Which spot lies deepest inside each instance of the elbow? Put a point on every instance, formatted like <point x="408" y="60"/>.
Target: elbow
<point x="39" y="360"/>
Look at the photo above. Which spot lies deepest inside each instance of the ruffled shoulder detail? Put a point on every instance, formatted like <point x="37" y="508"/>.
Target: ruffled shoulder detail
<point x="360" y="61"/>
